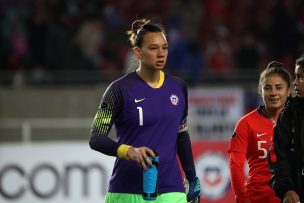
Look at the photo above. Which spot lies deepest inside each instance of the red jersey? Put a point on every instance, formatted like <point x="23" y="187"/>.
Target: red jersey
<point x="251" y="139"/>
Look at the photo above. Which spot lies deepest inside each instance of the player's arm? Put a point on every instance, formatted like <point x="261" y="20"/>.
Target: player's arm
<point x="237" y="156"/>
<point x="237" y="162"/>
<point x="184" y="152"/>
<point x="278" y="160"/>
<point x="184" y="149"/>
<point x="108" y="111"/>
<point x="106" y="115"/>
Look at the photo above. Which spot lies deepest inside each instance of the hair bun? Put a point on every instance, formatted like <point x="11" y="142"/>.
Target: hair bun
<point x="138" y="24"/>
<point x="275" y="64"/>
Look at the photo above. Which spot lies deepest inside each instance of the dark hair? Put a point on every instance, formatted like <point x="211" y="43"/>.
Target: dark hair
<point x="300" y="61"/>
<point x="140" y="28"/>
<point x="275" y="67"/>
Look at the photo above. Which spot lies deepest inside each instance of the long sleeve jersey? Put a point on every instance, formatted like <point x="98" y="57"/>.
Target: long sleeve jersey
<point x="144" y="116"/>
<point x="251" y="140"/>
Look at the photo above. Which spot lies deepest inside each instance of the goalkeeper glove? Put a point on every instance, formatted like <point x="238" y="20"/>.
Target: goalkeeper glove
<point x="193" y="190"/>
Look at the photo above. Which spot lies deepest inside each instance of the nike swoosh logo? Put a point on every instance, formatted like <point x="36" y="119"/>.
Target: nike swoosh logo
<point x="139" y="100"/>
<point x="259" y="135"/>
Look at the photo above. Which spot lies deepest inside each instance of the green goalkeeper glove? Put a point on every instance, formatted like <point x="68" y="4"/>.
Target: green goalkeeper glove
<point x="193" y="190"/>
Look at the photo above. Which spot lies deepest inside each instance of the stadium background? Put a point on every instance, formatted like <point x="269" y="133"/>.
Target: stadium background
<point x="58" y="56"/>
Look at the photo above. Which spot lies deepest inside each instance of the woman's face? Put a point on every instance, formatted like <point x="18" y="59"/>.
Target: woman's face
<point x="299" y="81"/>
<point x="274" y="92"/>
<point x="154" y="51"/>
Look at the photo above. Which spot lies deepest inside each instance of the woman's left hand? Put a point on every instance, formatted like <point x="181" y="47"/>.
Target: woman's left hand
<point x="140" y="155"/>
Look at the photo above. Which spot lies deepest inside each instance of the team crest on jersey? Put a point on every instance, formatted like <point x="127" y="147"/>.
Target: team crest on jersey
<point x="174" y="99"/>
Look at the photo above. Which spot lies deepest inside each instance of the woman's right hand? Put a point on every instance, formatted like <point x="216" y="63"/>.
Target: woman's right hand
<point x="140" y="155"/>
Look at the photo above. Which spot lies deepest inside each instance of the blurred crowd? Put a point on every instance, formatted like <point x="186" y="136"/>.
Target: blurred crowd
<point x="220" y="36"/>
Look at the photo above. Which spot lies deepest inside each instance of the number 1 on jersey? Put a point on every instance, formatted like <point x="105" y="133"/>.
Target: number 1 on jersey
<point x="140" y="114"/>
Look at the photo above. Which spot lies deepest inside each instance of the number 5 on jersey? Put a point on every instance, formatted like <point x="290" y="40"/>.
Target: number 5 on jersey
<point x="260" y="148"/>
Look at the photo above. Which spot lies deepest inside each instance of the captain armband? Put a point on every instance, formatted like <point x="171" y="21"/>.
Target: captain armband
<point x="122" y="151"/>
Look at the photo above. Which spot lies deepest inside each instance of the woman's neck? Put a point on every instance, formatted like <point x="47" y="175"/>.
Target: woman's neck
<point x="273" y="114"/>
<point x="151" y="77"/>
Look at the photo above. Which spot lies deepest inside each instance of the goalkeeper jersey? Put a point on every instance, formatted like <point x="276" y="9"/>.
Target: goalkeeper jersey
<point x="143" y="116"/>
<point x="251" y="138"/>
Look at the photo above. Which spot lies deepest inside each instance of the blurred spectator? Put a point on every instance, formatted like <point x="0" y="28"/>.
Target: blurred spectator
<point x="59" y="39"/>
<point x="38" y="32"/>
<point x="185" y="51"/>
<point x="219" y="53"/>
<point x="247" y="54"/>
<point x="218" y="35"/>
<point x="90" y="40"/>
<point x="283" y="42"/>
<point x="13" y="35"/>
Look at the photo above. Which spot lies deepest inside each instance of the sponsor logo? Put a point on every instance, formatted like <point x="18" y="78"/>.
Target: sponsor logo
<point x="261" y="134"/>
<point x="46" y="181"/>
<point x="213" y="172"/>
<point x="139" y="100"/>
<point x="174" y="99"/>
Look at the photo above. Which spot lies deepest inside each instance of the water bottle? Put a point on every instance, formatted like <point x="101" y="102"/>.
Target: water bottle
<point x="150" y="179"/>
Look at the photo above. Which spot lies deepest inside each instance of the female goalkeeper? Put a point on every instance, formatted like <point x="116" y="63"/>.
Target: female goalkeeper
<point x="149" y="110"/>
